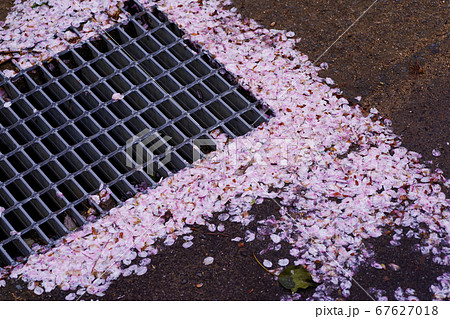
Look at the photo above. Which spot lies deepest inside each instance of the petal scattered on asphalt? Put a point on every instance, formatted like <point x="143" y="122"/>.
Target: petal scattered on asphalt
<point x="208" y="261"/>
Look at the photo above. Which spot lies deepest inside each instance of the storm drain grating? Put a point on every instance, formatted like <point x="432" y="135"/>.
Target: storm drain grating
<point x="63" y="135"/>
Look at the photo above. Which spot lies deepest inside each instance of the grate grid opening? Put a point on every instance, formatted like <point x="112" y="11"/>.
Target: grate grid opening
<point x="64" y="136"/>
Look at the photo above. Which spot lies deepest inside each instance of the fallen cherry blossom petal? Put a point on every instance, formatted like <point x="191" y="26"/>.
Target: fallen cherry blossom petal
<point x="117" y="96"/>
<point x="38" y="290"/>
<point x="208" y="261"/>
<point x="187" y="244"/>
<point x="394" y="267"/>
<point x="436" y="153"/>
<point x="141" y="270"/>
<point x="145" y="262"/>
<point x="249" y="236"/>
<point x="283" y="262"/>
<point x="377" y="265"/>
<point x="275" y="238"/>
<point x="70" y="296"/>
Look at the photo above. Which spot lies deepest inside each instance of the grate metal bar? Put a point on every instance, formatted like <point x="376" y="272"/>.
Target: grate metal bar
<point x="63" y="136"/>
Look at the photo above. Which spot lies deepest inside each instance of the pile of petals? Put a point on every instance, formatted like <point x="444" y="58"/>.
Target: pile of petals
<point x="36" y="30"/>
<point x="342" y="177"/>
<point x="441" y="290"/>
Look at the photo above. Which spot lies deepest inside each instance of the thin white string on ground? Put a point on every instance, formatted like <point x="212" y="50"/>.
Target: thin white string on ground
<point x="324" y="52"/>
<point x="346" y="30"/>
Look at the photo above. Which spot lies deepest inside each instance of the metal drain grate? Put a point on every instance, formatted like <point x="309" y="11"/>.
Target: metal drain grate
<point x="62" y="135"/>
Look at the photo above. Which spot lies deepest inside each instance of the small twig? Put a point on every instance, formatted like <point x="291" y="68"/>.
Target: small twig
<point x="20" y="51"/>
<point x="217" y="234"/>
<point x="16" y="298"/>
<point x="259" y="263"/>
<point x="95" y="263"/>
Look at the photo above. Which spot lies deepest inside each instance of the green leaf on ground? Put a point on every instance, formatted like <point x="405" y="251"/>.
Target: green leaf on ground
<point x="35" y="5"/>
<point x="295" y="278"/>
